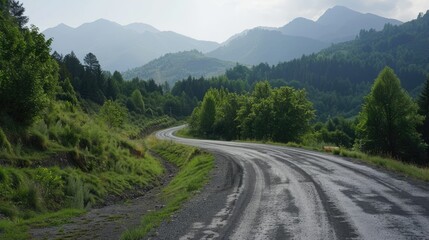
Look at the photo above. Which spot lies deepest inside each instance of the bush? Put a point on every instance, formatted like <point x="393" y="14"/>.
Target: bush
<point x="113" y="113"/>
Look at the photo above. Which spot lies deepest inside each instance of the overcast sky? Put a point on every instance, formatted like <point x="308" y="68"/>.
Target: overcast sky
<point x="214" y="20"/>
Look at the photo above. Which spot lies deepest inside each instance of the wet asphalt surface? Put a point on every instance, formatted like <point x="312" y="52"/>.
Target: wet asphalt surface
<point x="261" y="191"/>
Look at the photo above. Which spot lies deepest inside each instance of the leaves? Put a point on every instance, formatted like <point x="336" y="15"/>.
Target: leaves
<point x="113" y="113"/>
<point x="282" y="114"/>
<point x="388" y="120"/>
<point x="28" y="74"/>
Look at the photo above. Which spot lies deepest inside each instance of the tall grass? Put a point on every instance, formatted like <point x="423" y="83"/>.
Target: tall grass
<point x="68" y="160"/>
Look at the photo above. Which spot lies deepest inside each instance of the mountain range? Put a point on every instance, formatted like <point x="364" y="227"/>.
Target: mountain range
<point x="127" y="47"/>
<point x="300" y="36"/>
<point x="120" y="47"/>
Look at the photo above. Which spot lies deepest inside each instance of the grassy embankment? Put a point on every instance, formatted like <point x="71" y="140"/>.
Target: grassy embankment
<point x="194" y="167"/>
<point x="410" y="170"/>
<point x="67" y="162"/>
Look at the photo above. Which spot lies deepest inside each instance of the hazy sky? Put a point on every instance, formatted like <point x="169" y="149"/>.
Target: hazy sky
<point x="214" y="20"/>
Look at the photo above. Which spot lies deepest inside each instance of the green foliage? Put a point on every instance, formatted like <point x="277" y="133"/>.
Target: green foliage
<point x="175" y="66"/>
<point x="28" y="75"/>
<point x="423" y="103"/>
<point x="207" y="114"/>
<point x="113" y="113"/>
<point x="137" y="99"/>
<point x="67" y="93"/>
<point x="51" y="185"/>
<point x="337" y="131"/>
<point x="282" y="114"/>
<point x="388" y="121"/>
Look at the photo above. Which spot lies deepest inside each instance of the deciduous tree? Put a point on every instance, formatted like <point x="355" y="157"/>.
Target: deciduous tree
<point x="388" y="120"/>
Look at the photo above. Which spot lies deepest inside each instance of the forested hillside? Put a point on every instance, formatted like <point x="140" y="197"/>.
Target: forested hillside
<point x="298" y="37"/>
<point x="175" y="66"/>
<point x="70" y="133"/>
<point x="337" y="78"/>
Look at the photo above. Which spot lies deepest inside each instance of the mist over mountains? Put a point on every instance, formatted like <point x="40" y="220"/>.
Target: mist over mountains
<point x="300" y="36"/>
<point x="120" y="47"/>
<point x="127" y="47"/>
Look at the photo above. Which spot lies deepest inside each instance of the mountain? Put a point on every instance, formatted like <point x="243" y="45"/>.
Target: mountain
<point x="337" y="24"/>
<point x="272" y="47"/>
<point x="338" y="77"/>
<point x="120" y="47"/>
<point x="300" y="36"/>
<point x="176" y="66"/>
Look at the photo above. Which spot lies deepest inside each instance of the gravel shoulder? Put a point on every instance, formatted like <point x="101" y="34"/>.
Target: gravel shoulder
<point x="111" y="220"/>
<point x="212" y="200"/>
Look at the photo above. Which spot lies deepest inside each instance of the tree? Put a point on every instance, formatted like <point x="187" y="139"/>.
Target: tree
<point x="17" y="12"/>
<point x="137" y="100"/>
<point x="207" y="114"/>
<point x="388" y="120"/>
<point x="28" y="74"/>
<point x="423" y="102"/>
<point x="91" y="62"/>
<point x="113" y="113"/>
<point x="291" y="114"/>
<point x="67" y="93"/>
<point x="262" y="90"/>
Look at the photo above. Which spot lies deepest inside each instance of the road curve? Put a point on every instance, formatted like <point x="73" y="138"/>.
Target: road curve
<point x="288" y="193"/>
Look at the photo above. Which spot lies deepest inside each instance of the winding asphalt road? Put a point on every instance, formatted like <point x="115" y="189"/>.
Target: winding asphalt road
<point x="287" y="193"/>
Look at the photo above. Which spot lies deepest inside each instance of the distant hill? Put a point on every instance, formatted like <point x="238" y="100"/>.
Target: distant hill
<point x="268" y="46"/>
<point x="337" y="24"/>
<point x="120" y="47"/>
<point x="338" y="77"/>
<point x="300" y="36"/>
<point x="177" y="66"/>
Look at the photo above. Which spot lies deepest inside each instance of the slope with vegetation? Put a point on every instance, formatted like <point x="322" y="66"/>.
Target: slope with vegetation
<point x="268" y="46"/>
<point x="176" y="66"/>
<point x="70" y="133"/>
<point x="338" y="77"/>
<point x="337" y="24"/>
<point x="300" y="36"/>
<point x="337" y="80"/>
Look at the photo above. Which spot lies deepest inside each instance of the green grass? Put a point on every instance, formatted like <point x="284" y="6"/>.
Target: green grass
<point x="100" y="161"/>
<point x="394" y="165"/>
<point x="18" y="229"/>
<point x="194" y="168"/>
<point x="184" y="133"/>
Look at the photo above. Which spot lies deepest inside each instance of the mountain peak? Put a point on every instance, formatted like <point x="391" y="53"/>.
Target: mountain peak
<point x="101" y="23"/>
<point x="62" y="26"/>
<point x="141" y="28"/>
<point x="337" y="14"/>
